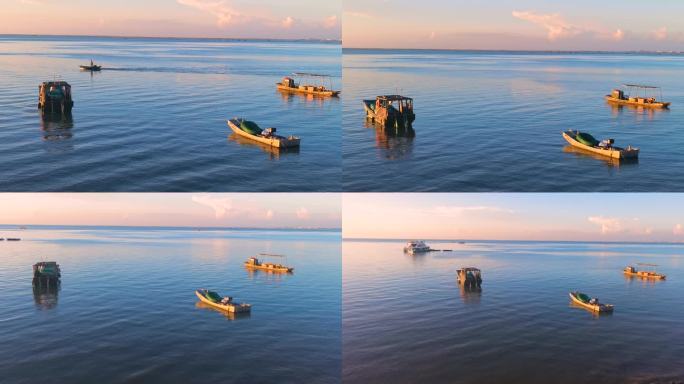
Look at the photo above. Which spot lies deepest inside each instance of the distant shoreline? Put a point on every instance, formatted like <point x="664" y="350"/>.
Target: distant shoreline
<point x="374" y="240"/>
<point x="509" y="51"/>
<point x="28" y="227"/>
<point x="230" y="39"/>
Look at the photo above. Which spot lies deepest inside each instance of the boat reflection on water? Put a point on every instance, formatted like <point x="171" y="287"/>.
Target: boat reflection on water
<point x="611" y="162"/>
<point x="290" y="97"/>
<point x="271" y="275"/>
<point x="470" y="295"/>
<point x="274" y="152"/>
<point x="594" y="314"/>
<point x="228" y="315"/>
<point x="648" y="113"/>
<point x="394" y="143"/>
<point x="57" y="127"/>
<point x="46" y="296"/>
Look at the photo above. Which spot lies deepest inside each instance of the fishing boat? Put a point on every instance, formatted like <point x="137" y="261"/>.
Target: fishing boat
<point x="55" y="97"/>
<point x="587" y="142"/>
<point x="13" y="239"/>
<point x="92" y="67"/>
<point x="252" y="131"/>
<point x="639" y="95"/>
<point x="469" y="277"/>
<point x="316" y="84"/>
<point x="390" y="110"/>
<point x="225" y="303"/>
<point x="587" y="302"/>
<point x="416" y="246"/>
<point x="46" y="273"/>
<point x="653" y="275"/>
<point x="256" y="263"/>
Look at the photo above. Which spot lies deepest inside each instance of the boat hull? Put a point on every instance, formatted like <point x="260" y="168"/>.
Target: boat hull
<point x="264" y="268"/>
<point x="592" y="307"/>
<point x="94" y="68"/>
<point x="326" y="93"/>
<point x="232" y="308"/>
<point x="645" y="275"/>
<point x="656" y="105"/>
<point x="275" y="141"/>
<point x="613" y="152"/>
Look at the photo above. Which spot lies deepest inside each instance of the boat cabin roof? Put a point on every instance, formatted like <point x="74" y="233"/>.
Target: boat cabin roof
<point x="641" y="86"/>
<point x="473" y="269"/>
<point x="304" y="74"/>
<point x="56" y="83"/>
<point x="394" y="98"/>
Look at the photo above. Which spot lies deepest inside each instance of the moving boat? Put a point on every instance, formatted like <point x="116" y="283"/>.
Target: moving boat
<point x="587" y="142"/>
<point x="255" y="263"/>
<point x="390" y="110"/>
<point x="416" y="246"/>
<point x="587" y="302"/>
<point x="289" y="84"/>
<point x="92" y="67"/>
<point x="251" y="130"/>
<point x="225" y="303"/>
<point x="469" y="277"/>
<point x="640" y="96"/>
<point x="633" y="272"/>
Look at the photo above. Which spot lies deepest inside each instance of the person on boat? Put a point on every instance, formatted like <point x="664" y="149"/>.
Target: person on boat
<point x="91" y="63"/>
<point x="606" y="143"/>
<point x="226" y="300"/>
<point x="594" y="301"/>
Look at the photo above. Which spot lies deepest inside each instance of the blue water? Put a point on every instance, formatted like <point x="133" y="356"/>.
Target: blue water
<point x="406" y="320"/>
<point x="492" y="121"/>
<point x="154" y="118"/>
<point x="126" y="310"/>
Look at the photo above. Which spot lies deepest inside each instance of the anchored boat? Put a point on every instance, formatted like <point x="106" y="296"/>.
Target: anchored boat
<point x="416" y="246"/>
<point x="55" y="97"/>
<point x="587" y="302"/>
<point x="225" y="303"/>
<point x="653" y="275"/>
<point x="255" y="263"/>
<point x="390" y="110"/>
<point x="316" y="84"/>
<point x="46" y="273"/>
<point x="587" y="142"/>
<point x="639" y="95"/>
<point x="470" y="277"/>
<point x="252" y="131"/>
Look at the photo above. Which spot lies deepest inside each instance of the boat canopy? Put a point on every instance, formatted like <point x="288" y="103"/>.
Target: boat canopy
<point x="641" y="86"/>
<point x="305" y="74"/>
<point x="391" y="98"/>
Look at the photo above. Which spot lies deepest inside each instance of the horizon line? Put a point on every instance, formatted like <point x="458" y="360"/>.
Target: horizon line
<point x="265" y="39"/>
<point x="514" y="240"/>
<point x="19" y="227"/>
<point x="662" y="52"/>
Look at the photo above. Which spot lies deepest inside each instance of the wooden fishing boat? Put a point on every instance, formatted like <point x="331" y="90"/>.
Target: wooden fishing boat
<point x="651" y="275"/>
<point x="91" y="68"/>
<point x="225" y="303"/>
<point x="587" y="302"/>
<point x="639" y="96"/>
<point x="55" y="97"/>
<point x="469" y="277"/>
<point x="251" y="130"/>
<point x="588" y="143"/>
<point x="390" y="110"/>
<point x="290" y="84"/>
<point x="256" y="263"/>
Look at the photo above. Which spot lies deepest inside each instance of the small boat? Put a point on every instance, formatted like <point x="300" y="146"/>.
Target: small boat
<point x="225" y="303"/>
<point x="469" y="277"/>
<point x="289" y="84"/>
<point x="46" y="273"/>
<point x="416" y="246"/>
<point x="255" y="263"/>
<point x="587" y="142"/>
<point x="251" y="130"/>
<point x="55" y="97"/>
<point x="633" y="272"/>
<point x="640" y="96"/>
<point x="587" y="302"/>
<point x="92" y="67"/>
<point x="13" y="239"/>
<point x="390" y="110"/>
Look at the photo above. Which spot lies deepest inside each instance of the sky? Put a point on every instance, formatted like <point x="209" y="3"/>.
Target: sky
<point x="251" y="210"/>
<point x="542" y="217"/>
<point x="290" y="19"/>
<point x="607" y="25"/>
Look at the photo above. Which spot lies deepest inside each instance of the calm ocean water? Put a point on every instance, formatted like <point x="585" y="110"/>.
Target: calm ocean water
<point x="154" y="118"/>
<point x="126" y="310"/>
<point x="405" y="319"/>
<point x="492" y="121"/>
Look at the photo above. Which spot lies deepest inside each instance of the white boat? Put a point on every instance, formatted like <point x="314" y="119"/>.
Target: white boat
<point x="416" y="246"/>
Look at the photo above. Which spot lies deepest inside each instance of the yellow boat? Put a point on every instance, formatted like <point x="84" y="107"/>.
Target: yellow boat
<point x="585" y="301"/>
<point x="255" y="263"/>
<point x="225" y="303"/>
<point x="288" y="84"/>
<point x="640" y="96"/>
<point x="632" y="271"/>
<point x="587" y="142"/>
<point x="251" y="130"/>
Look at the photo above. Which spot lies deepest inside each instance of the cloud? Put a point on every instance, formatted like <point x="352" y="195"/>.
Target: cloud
<point x="613" y="225"/>
<point x="221" y="9"/>
<point x="556" y="27"/>
<point x="458" y="210"/>
<point x="433" y="35"/>
<point x="270" y="214"/>
<point x="330" y="22"/>
<point x="302" y="213"/>
<point x="288" y="22"/>
<point x="660" y="33"/>
<point x="222" y="206"/>
<point x="678" y="230"/>
<point x="619" y="34"/>
<point x="608" y="224"/>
